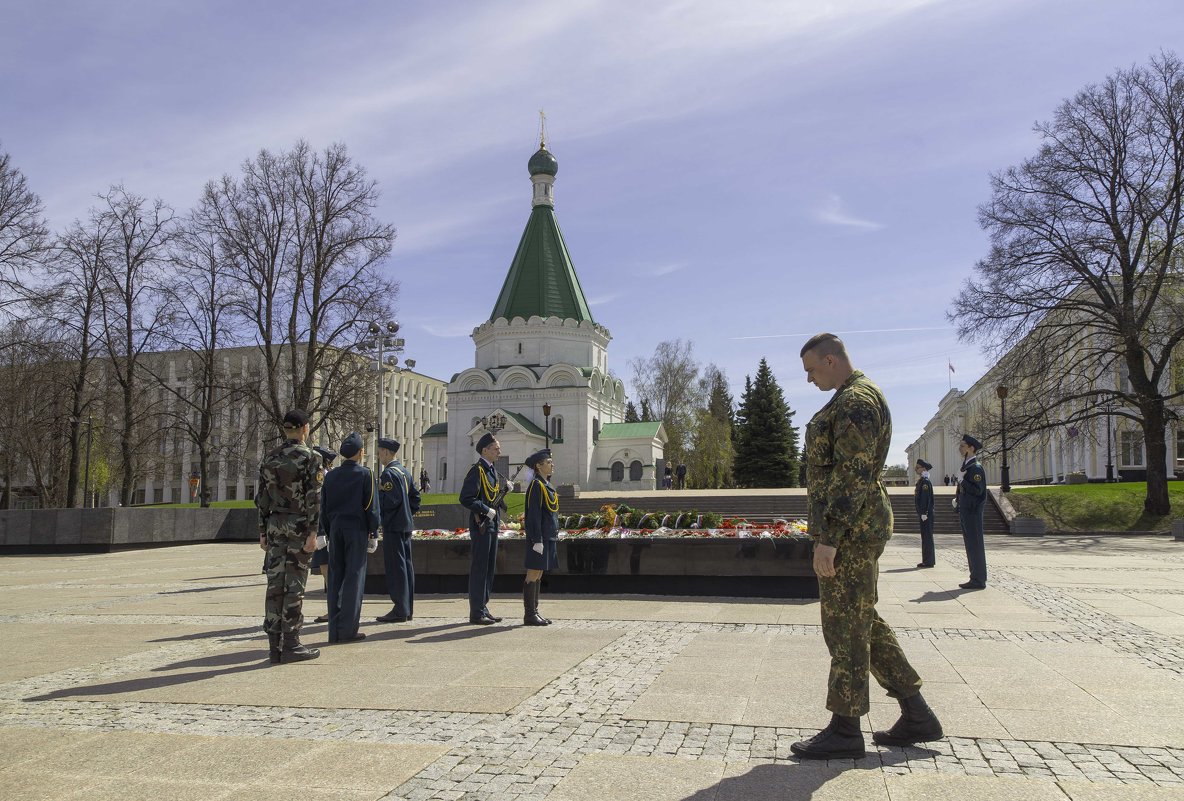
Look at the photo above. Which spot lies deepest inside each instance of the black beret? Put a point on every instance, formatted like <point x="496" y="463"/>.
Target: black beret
<point x="327" y="454"/>
<point x="351" y="445"/>
<point x="390" y="444"/>
<point x="296" y="418"/>
<point x="924" y="465"/>
<point x="972" y="442"/>
<point x="533" y="460"/>
<point x="485" y="441"/>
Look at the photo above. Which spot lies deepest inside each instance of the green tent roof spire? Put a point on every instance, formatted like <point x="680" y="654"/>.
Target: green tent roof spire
<point x="542" y="280"/>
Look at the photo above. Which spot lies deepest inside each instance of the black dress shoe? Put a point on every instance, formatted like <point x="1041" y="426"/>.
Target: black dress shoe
<point x="392" y="618"/>
<point x="322" y="619"/>
<point x="922" y="564"/>
<point x="491" y="616"/>
<point x="356" y="638"/>
<point x="482" y="620"/>
<point x="972" y="585"/>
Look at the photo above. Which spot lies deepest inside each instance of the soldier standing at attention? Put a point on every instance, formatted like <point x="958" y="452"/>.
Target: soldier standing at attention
<point x="851" y="520"/>
<point x="969" y="499"/>
<point x="289" y="504"/>
<point x="542" y="533"/>
<point x="481" y="494"/>
<point x="320" y="557"/>
<point x="923" y="499"/>
<point x="398" y="501"/>
<point x="352" y="519"/>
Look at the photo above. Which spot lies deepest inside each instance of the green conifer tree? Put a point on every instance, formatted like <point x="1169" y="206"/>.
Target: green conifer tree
<point x="767" y="453"/>
<point x="631" y="415"/>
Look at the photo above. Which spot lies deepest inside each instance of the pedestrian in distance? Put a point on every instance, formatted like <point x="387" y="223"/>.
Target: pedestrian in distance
<point x="351" y="517"/>
<point x="425" y="484"/>
<point x="289" y="504"/>
<point x="542" y="533"/>
<point x="923" y="500"/>
<point x="850" y="519"/>
<point x="970" y="500"/>
<point x="482" y="493"/>
<point x="680" y="473"/>
<point x="398" y="500"/>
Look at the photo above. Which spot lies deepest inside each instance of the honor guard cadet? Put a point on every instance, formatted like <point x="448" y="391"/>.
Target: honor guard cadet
<point x="289" y="504"/>
<point x="542" y="533"/>
<point x="923" y="500"/>
<point x="851" y="520"/>
<point x="969" y="499"/>
<point x="481" y="493"/>
<point x="398" y="500"/>
<point x="351" y="516"/>
<point x="320" y="557"/>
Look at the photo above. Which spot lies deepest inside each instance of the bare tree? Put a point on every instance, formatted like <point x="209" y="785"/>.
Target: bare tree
<point x="298" y="229"/>
<point x="135" y="314"/>
<point x="667" y="384"/>
<point x="24" y="236"/>
<point x="202" y="293"/>
<point x="1084" y="270"/>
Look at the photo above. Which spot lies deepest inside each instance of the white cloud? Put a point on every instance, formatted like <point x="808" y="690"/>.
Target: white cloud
<point x="833" y="212"/>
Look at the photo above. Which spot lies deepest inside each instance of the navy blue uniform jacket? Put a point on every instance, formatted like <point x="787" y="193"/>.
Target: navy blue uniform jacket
<point x="398" y="498"/>
<point x="541" y="522"/>
<point x="347" y="499"/>
<point x="472" y="492"/>
<point x="972" y="490"/>
<point x="923" y="497"/>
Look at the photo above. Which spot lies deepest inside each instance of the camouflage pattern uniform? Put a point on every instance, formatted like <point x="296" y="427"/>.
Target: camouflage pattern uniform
<point x="289" y="503"/>
<point x="846" y="445"/>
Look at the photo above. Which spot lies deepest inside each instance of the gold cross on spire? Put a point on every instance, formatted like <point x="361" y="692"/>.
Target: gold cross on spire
<point x="542" y="129"/>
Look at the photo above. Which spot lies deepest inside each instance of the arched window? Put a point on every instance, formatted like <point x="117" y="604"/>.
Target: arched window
<point x="595" y="429"/>
<point x="635" y="470"/>
<point x="618" y="473"/>
<point x="557" y="429"/>
<point x="443" y="471"/>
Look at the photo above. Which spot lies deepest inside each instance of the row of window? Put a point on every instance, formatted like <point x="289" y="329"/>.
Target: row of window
<point x="617" y="472"/>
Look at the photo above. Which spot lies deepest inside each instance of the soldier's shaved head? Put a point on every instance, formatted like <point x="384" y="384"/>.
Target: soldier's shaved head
<point x="825" y="345"/>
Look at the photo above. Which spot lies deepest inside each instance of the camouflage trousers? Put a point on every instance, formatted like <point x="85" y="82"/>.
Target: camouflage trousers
<point x="287" y="574"/>
<point x="858" y="639"/>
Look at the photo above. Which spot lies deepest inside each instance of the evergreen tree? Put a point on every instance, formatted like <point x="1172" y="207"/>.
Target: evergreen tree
<point x="631" y="415"/>
<point x="646" y="415"/>
<point x="767" y="452"/>
<point x="711" y="456"/>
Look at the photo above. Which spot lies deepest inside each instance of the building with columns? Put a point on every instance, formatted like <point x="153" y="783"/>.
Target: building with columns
<point x="540" y="374"/>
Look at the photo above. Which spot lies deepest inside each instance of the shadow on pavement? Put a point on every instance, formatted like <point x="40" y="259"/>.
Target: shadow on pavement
<point x="941" y="595"/>
<point x="781" y="782"/>
<point x="209" y="635"/>
<point x="258" y="662"/>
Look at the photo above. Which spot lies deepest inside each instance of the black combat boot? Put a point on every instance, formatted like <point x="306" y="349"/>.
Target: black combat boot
<point x="273" y="645"/>
<point x="530" y="603"/>
<point x="917" y="724"/>
<point x="294" y="651"/>
<point x="538" y="588"/>
<point x="841" y="739"/>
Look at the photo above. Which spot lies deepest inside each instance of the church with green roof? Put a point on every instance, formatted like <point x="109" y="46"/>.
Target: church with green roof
<point x="541" y="351"/>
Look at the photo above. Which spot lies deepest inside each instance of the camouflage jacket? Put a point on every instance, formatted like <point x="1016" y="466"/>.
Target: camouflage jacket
<point x="289" y="492"/>
<point x="846" y="445"/>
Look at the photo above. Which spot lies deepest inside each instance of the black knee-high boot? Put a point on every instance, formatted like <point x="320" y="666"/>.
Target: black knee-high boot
<point x="530" y="605"/>
<point x="538" y="587"/>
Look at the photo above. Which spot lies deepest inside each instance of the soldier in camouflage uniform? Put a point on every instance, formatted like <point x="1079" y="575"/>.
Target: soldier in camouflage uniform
<point x="851" y="520"/>
<point x="289" y="503"/>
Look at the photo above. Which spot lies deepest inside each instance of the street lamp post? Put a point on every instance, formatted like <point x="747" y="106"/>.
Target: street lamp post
<point x="546" y="425"/>
<point x="1005" y="471"/>
<point x="1109" y="457"/>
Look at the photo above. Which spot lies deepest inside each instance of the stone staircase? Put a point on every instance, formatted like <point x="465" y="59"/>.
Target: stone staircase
<point x="765" y="508"/>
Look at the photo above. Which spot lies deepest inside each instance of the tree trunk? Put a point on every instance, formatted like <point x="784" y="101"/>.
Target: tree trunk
<point x="203" y="456"/>
<point x="1154" y="429"/>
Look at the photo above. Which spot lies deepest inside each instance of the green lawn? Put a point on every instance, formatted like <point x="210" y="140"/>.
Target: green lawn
<point x="515" y="502"/>
<point x="1096" y="507"/>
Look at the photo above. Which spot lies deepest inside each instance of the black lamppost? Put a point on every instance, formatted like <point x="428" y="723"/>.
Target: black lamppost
<point x="1109" y="456"/>
<point x="546" y="425"/>
<point x="1005" y="471"/>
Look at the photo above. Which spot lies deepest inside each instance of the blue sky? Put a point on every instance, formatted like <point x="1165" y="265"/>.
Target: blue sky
<point x="740" y="174"/>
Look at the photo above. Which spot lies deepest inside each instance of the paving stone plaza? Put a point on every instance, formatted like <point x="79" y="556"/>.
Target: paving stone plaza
<point x="144" y="675"/>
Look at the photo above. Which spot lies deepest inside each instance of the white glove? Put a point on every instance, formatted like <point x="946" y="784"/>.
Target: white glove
<point x="537" y="547"/>
<point x="924" y="518"/>
<point x="372" y="545"/>
<point x="322" y="541"/>
<point x="492" y="513"/>
<point x="954" y="503"/>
